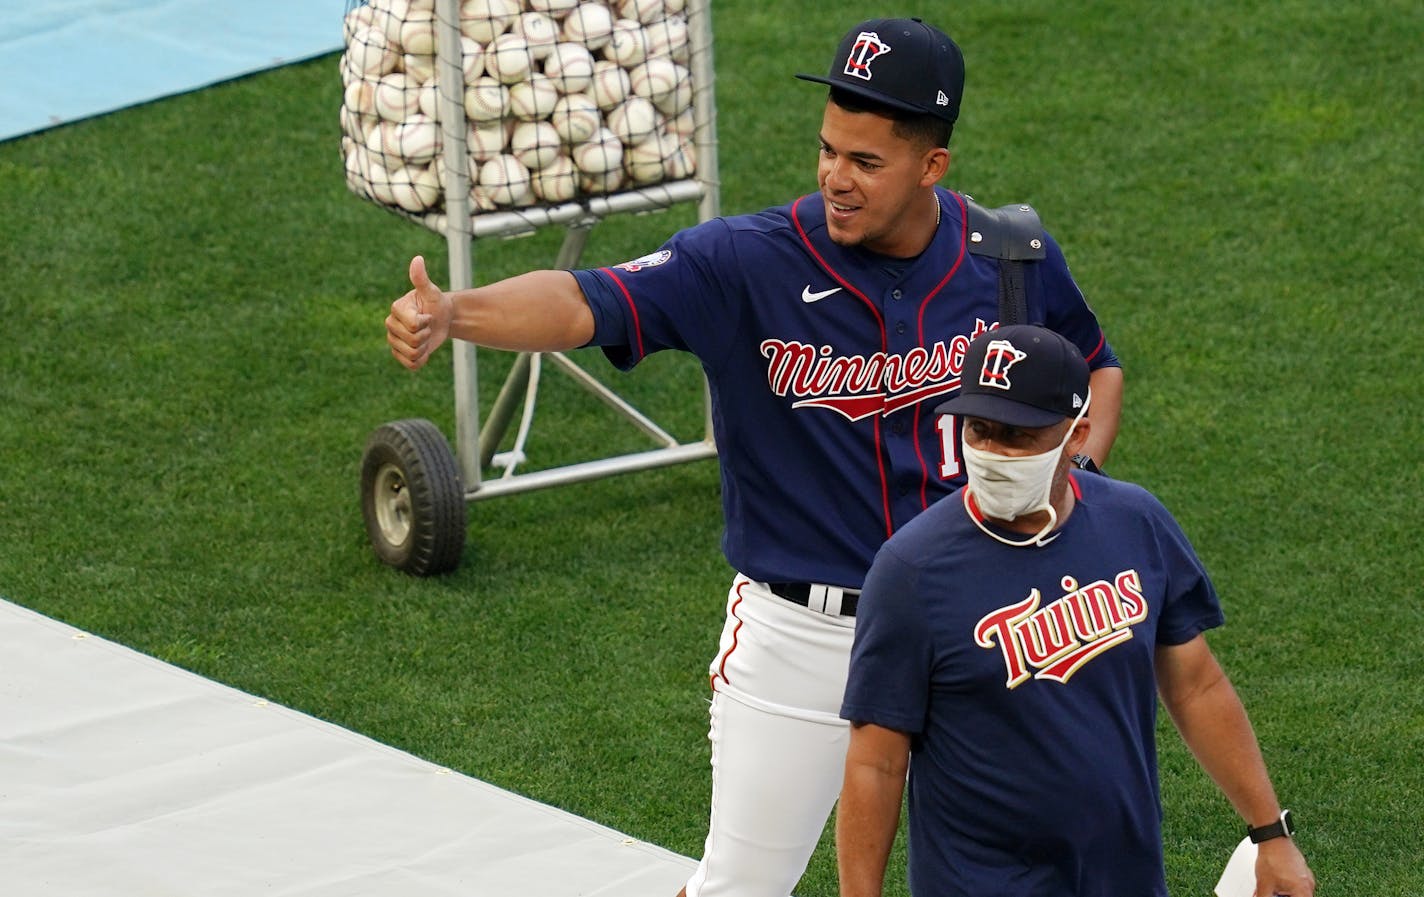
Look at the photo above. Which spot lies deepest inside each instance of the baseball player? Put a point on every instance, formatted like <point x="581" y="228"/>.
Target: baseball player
<point x="828" y="329"/>
<point x="1010" y="647"/>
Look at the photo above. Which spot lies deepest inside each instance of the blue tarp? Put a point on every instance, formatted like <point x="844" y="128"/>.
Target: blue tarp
<point x="65" y="60"/>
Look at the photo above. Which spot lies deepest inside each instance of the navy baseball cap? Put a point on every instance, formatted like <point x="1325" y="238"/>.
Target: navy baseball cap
<point x="901" y="63"/>
<point x="1021" y="375"/>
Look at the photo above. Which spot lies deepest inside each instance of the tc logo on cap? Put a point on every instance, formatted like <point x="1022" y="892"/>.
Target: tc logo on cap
<point x="999" y="356"/>
<point x="867" y="48"/>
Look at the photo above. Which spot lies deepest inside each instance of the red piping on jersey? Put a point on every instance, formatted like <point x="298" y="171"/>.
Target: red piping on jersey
<point x="736" y="630"/>
<point x="628" y="297"/>
<point x="920" y="324"/>
<point x="1098" y="348"/>
<point x="884" y="347"/>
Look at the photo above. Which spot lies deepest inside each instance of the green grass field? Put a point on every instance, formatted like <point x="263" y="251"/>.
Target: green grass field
<point x="193" y="357"/>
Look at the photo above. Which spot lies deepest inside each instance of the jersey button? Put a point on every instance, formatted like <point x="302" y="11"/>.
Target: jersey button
<point x="898" y="428"/>
<point x="900" y="327"/>
<point x="896" y="294"/>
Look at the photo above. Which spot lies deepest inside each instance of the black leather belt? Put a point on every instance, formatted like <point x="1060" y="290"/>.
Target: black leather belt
<point x="816" y="598"/>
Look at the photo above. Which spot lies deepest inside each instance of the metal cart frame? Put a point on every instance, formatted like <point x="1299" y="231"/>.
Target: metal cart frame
<point x="414" y="489"/>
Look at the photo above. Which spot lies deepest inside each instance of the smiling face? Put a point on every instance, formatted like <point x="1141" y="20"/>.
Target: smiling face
<point x="876" y="184"/>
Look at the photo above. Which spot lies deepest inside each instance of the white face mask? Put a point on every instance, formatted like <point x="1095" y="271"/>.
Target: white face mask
<point x="1006" y="488"/>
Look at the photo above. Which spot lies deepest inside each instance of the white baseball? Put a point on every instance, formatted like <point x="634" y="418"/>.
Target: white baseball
<point x="479" y="200"/>
<point x="363" y="16"/>
<point x="486" y="100"/>
<point x="679" y="158"/>
<point x="557" y="181"/>
<point x="397" y="96"/>
<point x="484" y="141"/>
<point x="412" y="189"/>
<point x="535" y="143"/>
<point x="420" y="66"/>
<point x="667" y="36"/>
<point x="556" y="8"/>
<point x="644" y="11"/>
<point x="416" y="140"/>
<point x="354" y="125"/>
<point x="590" y="24"/>
<point x="601" y="153"/>
<point x="390" y="15"/>
<point x="484" y="20"/>
<point x="421" y="5"/>
<point x="628" y="45"/>
<point x="508" y="58"/>
<point x="539" y="32"/>
<point x="644" y="162"/>
<point x="428" y="99"/>
<point x="417" y="33"/>
<point x="674" y="7"/>
<point x="369" y="54"/>
<point x="381" y="144"/>
<point x="633" y="121"/>
<point x="570" y="66"/>
<point x="602" y="182"/>
<point x="360" y="97"/>
<point x="355" y="169"/>
<point x="575" y="118"/>
<point x="679" y="98"/>
<point x="533" y="99"/>
<point x="610" y="84"/>
<point x="427" y="184"/>
<point x="655" y="78"/>
<point x="379" y="181"/>
<point x="505" y="180"/>
<point x="684" y="124"/>
<point x="472" y="58"/>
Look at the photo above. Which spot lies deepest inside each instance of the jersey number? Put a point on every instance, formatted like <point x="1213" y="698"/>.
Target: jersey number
<point x="949" y="466"/>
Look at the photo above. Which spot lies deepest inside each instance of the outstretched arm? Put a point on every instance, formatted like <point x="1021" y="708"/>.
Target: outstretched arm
<point x="1213" y="723"/>
<point x="542" y="311"/>
<point x="869" y="810"/>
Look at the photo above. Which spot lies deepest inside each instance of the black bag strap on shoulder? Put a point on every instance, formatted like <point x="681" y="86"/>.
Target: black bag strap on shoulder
<point x="1012" y="234"/>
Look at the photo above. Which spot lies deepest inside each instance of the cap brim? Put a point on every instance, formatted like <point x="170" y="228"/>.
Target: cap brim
<point x="868" y="93"/>
<point x="1000" y="410"/>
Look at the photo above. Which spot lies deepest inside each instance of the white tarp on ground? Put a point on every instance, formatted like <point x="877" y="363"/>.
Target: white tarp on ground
<point x="124" y="776"/>
<point x="64" y="60"/>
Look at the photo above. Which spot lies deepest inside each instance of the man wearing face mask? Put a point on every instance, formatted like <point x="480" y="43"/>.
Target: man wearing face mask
<point x="1011" y="645"/>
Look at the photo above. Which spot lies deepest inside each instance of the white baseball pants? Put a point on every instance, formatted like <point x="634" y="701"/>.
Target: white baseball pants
<point x="778" y="742"/>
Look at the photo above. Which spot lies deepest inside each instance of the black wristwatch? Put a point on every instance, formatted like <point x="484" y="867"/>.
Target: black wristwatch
<point x="1085" y="462"/>
<point x="1281" y="828"/>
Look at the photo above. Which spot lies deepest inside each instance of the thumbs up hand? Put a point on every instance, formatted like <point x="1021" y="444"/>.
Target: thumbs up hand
<point x="419" y="321"/>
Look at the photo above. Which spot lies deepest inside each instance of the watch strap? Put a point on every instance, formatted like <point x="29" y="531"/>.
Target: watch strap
<point x="1281" y="828"/>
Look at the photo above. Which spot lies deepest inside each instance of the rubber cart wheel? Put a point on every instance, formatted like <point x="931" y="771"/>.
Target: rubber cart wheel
<point x="412" y="498"/>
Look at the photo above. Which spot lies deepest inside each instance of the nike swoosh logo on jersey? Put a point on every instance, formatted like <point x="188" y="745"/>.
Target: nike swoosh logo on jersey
<point x="808" y="297"/>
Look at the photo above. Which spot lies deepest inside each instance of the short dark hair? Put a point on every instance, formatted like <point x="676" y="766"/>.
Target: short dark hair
<point x="923" y="128"/>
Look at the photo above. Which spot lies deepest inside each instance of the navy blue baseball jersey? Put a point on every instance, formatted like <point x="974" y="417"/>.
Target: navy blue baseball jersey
<point x="1025" y="678"/>
<point x="824" y="365"/>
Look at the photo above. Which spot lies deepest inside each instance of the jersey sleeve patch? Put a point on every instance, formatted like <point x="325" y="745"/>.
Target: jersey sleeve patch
<point x="651" y="260"/>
